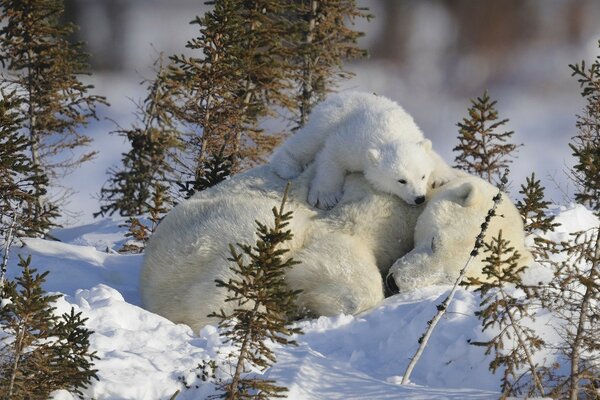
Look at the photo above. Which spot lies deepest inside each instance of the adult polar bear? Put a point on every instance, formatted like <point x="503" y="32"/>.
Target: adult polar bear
<point x="343" y="251"/>
<point x="362" y="132"/>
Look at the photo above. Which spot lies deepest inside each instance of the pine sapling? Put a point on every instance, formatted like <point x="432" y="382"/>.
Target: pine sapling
<point x="233" y="77"/>
<point x="500" y="309"/>
<point x="586" y="144"/>
<point x="322" y="41"/>
<point x="573" y="295"/>
<point x="151" y="161"/>
<point x="264" y="304"/>
<point x="43" y="67"/>
<point x="482" y="149"/>
<point x="19" y="177"/>
<point x="215" y="169"/>
<point x="40" y="352"/>
<point x="139" y="231"/>
<point x="534" y="211"/>
<point x="534" y="208"/>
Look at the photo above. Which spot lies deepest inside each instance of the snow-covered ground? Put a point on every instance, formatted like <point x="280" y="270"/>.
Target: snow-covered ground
<point x="144" y="356"/>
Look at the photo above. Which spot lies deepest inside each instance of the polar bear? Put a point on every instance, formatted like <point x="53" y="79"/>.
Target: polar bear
<point x="445" y="234"/>
<point x="356" y="131"/>
<point x="343" y="252"/>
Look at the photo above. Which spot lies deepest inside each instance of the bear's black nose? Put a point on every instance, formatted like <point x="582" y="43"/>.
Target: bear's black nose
<point x="420" y="200"/>
<point x="391" y="286"/>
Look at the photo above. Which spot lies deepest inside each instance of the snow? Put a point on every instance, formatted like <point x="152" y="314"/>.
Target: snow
<point x="145" y="356"/>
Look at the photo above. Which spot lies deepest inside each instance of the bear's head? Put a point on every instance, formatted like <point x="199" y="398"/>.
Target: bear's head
<point x="401" y="168"/>
<point x="446" y="230"/>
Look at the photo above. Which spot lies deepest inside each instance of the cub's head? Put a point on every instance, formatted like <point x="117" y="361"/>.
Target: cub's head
<point x="401" y="168"/>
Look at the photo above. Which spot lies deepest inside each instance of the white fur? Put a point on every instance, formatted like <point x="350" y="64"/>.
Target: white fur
<point x="344" y="252"/>
<point x="446" y="230"/>
<point x="361" y="132"/>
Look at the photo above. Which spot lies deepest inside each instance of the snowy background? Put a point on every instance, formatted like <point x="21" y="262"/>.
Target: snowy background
<point x="430" y="56"/>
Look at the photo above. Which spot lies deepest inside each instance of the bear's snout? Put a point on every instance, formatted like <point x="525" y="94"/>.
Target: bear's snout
<point x="420" y="200"/>
<point x="390" y="285"/>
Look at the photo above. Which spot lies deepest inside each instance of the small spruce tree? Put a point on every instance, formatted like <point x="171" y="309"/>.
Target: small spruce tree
<point x="216" y="168"/>
<point x="534" y="208"/>
<point x="264" y="305"/>
<point x="482" y="150"/>
<point x="138" y="231"/>
<point x="42" y="67"/>
<point x="534" y="211"/>
<point x="515" y="343"/>
<point x="20" y="178"/>
<point x="40" y="352"/>
<point x="323" y="40"/>
<point x="148" y="164"/>
<point x="233" y="78"/>
<point x="586" y="144"/>
<point x="573" y="294"/>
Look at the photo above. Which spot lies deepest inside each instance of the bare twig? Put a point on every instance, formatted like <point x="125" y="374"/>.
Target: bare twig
<point x="441" y="308"/>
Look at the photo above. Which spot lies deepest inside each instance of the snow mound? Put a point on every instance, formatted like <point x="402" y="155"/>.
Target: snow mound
<point x="144" y="356"/>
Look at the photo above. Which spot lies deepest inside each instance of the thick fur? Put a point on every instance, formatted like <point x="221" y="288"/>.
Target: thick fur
<point x="343" y="252"/>
<point x="446" y="230"/>
<point x="361" y="132"/>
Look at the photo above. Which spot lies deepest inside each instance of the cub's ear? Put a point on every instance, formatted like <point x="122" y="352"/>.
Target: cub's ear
<point x="426" y="144"/>
<point x="467" y="194"/>
<point x="374" y="156"/>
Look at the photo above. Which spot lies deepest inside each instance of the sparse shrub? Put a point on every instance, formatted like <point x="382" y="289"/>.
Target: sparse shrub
<point x="40" y="352"/>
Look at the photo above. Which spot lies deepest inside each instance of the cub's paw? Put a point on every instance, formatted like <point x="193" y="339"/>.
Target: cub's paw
<point x="286" y="167"/>
<point x="439" y="181"/>
<point x="323" y="199"/>
<point x="440" y="178"/>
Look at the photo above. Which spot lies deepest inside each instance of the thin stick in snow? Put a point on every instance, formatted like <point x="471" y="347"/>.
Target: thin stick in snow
<point x="444" y="306"/>
<point x="8" y="239"/>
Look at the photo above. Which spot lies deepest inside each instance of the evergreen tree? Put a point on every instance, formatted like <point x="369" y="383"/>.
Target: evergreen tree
<point x="533" y="207"/>
<point x="573" y="295"/>
<point x="42" y="352"/>
<point x="216" y="168"/>
<point x="515" y="343"/>
<point x="586" y="144"/>
<point x="148" y="164"/>
<point x="264" y="304"/>
<point x="43" y="69"/>
<point x="534" y="211"/>
<point x="234" y="77"/>
<point x="482" y="150"/>
<point x="138" y="231"/>
<point x="19" y="177"/>
<point x="324" y="40"/>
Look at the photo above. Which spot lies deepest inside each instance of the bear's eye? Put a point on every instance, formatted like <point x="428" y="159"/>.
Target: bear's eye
<point x="423" y="177"/>
<point x="402" y="181"/>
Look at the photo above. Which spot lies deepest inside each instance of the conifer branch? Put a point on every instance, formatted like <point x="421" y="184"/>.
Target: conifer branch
<point x="263" y="305"/>
<point x="482" y="150"/>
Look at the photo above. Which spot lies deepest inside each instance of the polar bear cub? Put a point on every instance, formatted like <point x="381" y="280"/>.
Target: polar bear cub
<point x="362" y="132"/>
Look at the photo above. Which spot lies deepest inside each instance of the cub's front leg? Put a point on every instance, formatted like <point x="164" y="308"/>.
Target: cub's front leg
<point x="326" y="187"/>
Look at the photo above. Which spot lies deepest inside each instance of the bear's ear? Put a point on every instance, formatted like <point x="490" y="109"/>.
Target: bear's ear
<point x="426" y="144"/>
<point x="467" y="194"/>
<point x="374" y="156"/>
